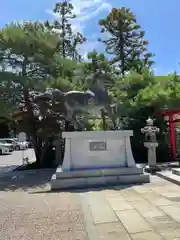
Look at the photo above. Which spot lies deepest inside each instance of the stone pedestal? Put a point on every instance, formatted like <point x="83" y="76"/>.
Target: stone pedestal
<point x="152" y="164"/>
<point x="97" y="158"/>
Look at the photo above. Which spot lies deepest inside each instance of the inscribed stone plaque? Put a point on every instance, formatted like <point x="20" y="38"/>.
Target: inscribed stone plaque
<point x="98" y="146"/>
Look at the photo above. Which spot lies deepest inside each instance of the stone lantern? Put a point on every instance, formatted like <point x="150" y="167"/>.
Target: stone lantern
<point x="151" y="144"/>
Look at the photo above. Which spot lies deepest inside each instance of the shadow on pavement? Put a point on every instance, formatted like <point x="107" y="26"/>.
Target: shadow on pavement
<point x="6" y="169"/>
<point x="37" y="182"/>
<point x="85" y="190"/>
<point x="25" y="180"/>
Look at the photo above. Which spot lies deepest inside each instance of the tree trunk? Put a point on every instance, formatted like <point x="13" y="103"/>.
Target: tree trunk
<point x="32" y="126"/>
<point x="63" y="34"/>
<point x="122" y="56"/>
<point x="31" y="117"/>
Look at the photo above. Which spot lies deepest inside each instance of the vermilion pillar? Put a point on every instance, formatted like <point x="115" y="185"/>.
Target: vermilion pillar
<point x="172" y="137"/>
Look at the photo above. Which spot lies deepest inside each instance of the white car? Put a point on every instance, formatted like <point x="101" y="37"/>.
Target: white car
<point x="16" y="145"/>
<point x="5" y="148"/>
<point x="22" y="145"/>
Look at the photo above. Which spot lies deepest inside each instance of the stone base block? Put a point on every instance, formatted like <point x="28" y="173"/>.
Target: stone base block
<point x="97" y="178"/>
<point x="97" y="172"/>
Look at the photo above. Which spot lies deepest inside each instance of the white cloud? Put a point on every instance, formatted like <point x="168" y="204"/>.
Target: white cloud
<point x="85" y="11"/>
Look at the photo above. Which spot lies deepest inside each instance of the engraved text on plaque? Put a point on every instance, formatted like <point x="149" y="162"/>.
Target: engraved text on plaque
<point x="98" y="146"/>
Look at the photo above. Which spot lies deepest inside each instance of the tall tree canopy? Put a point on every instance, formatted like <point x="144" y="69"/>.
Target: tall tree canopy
<point x="69" y="40"/>
<point x="125" y="40"/>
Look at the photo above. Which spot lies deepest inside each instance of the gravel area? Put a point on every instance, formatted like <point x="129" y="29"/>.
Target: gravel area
<point x="30" y="211"/>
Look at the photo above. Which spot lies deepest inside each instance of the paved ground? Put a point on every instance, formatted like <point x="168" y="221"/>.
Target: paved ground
<point x="146" y="212"/>
<point x="11" y="161"/>
<point x="30" y="211"/>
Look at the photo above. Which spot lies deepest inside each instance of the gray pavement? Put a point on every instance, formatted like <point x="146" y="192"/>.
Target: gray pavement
<point x="11" y="161"/>
<point x="144" y="212"/>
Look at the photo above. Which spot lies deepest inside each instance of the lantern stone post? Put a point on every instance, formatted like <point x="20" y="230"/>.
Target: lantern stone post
<point x="151" y="144"/>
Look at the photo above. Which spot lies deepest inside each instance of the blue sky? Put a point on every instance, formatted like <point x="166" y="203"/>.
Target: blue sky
<point x="159" y="19"/>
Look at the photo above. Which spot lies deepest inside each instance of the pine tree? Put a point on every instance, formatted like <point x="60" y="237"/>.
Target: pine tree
<point x="27" y="52"/>
<point x="68" y="40"/>
<point x="125" y="40"/>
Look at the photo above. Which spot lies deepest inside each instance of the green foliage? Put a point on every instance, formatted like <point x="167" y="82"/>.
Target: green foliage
<point x="165" y="91"/>
<point x="30" y="41"/>
<point x="69" y="41"/>
<point x="125" y="40"/>
<point x="5" y="111"/>
<point x="97" y="71"/>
